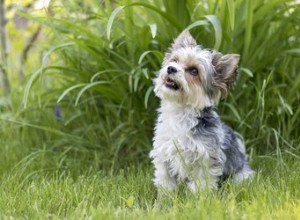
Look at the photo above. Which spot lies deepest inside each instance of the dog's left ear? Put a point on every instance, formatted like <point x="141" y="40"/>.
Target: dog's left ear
<point x="225" y="73"/>
<point x="185" y="39"/>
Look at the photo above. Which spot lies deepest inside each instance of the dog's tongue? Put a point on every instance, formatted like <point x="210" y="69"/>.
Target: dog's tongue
<point x="171" y="83"/>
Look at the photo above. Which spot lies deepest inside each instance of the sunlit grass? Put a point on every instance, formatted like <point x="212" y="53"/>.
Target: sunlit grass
<point x="129" y="193"/>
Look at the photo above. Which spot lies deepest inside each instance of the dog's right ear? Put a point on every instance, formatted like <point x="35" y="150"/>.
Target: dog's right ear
<point x="184" y="40"/>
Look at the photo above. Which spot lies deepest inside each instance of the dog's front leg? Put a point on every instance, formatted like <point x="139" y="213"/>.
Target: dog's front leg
<point x="162" y="177"/>
<point x="201" y="181"/>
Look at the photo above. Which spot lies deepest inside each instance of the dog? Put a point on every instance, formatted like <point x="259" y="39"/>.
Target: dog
<point x="191" y="144"/>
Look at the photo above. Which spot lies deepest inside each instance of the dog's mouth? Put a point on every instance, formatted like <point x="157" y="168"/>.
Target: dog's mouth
<point x="171" y="84"/>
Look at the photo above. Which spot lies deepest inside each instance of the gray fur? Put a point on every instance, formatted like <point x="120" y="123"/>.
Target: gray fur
<point x="208" y="130"/>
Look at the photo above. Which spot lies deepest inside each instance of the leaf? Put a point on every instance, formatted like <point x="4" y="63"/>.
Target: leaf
<point x="247" y="71"/>
<point x="163" y="14"/>
<point x="285" y="105"/>
<point x="136" y="82"/>
<point x="111" y="20"/>
<point x="294" y="89"/>
<point x="145" y="73"/>
<point x="196" y="24"/>
<point x="230" y="4"/>
<point x="104" y="71"/>
<point x="130" y="202"/>
<point x="295" y="51"/>
<point x="153" y="29"/>
<point x="69" y="90"/>
<point x="143" y="56"/>
<point x="88" y="87"/>
<point x="248" y="27"/>
<point x="234" y="111"/>
<point x="29" y="84"/>
<point x="34" y="76"/>
<point x="147" y="94"/>
<point x="218" y="29"/>
<point x="155" y="52"/>
<point x="148" y="6"/>
<point x="45" y="57"/>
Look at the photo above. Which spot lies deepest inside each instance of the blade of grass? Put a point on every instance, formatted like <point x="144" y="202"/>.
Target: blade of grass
<point x="67" y="91"/>
<point x="196" y="24"/>
<point x="147" y="94"/>
<point x="111" y="20"/>
<point x="248" y="27"/>
<point x="90" y="85"/>
<point x="231" y="10"/>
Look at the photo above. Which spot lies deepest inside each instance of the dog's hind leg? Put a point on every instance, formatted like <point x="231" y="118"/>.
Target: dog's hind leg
<point x="243" y="174"/>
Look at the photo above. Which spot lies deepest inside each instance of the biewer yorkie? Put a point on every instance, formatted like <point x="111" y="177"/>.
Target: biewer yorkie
<point x="191" y="144"/>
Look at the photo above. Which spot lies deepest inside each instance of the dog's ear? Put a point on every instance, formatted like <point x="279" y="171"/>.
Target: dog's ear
<point x="183" y="40"/>
<point x="225" y="71"/>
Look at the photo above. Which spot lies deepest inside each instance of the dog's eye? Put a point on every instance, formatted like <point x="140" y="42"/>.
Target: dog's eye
<point x="193" y="71"/>
<point x="174" y="60"/>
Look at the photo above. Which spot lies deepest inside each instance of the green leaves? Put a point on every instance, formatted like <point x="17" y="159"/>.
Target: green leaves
<point x="164" y="15"/>
<point x="101" y="61"/>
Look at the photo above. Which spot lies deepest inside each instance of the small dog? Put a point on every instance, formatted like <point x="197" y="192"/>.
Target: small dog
<point x="191" y="144"/>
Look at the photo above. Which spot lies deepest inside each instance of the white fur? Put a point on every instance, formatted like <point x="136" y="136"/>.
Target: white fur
<point x="176" y="153"/>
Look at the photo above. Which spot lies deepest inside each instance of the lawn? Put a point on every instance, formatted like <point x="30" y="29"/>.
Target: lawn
<point x="76" y="130"/>
<point x="129" y="194"/>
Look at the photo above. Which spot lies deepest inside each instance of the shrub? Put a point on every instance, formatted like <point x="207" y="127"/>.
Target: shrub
<point x="102" y="57"/>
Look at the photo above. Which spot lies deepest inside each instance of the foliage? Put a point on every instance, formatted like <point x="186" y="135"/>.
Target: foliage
<point x="103" y="57"/>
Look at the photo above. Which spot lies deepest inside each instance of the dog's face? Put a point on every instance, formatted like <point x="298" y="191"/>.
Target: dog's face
<point x="194" y="77"/>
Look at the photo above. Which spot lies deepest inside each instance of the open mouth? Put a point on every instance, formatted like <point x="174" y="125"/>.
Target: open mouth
<point x="171" y="84"/>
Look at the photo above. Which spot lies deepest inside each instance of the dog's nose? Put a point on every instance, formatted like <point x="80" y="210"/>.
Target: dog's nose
<point x="171" y="69"/>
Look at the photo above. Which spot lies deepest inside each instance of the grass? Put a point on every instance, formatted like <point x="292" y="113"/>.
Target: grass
<point x="129" y="194"/>
<point x="74" y="141"/>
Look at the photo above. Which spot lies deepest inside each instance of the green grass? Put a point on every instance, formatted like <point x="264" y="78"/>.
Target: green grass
<point x="129" y="194"/>
<point x="95" y="62"/>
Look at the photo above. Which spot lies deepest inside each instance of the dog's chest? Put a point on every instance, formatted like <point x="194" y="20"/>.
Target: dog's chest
<point x="174" y="139"/>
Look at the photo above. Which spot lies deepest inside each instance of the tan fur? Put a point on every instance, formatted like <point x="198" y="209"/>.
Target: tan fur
<point x="225" y="71"/>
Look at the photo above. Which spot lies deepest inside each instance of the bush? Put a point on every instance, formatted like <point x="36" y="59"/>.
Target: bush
<point x="102" y="57"/>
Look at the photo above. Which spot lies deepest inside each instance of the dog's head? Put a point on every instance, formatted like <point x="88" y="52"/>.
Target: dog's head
<point x="192" y="76"/>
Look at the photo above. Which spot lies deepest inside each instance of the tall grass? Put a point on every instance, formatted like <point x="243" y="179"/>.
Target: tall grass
<point x="92" y="98"/>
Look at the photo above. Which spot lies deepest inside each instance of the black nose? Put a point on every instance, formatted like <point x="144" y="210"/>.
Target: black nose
<point x="171" y="69"/>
